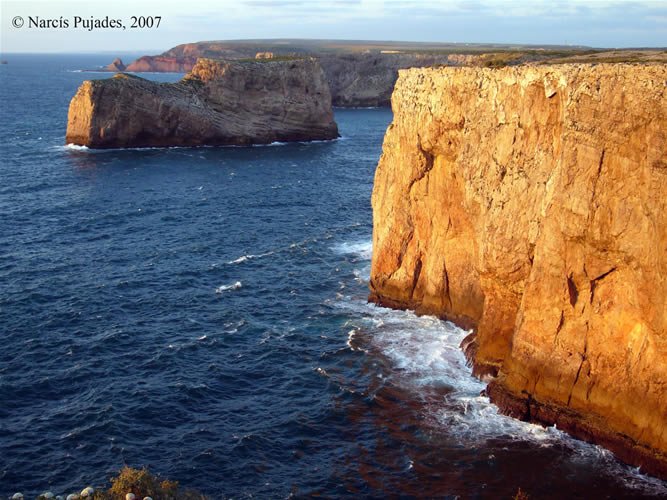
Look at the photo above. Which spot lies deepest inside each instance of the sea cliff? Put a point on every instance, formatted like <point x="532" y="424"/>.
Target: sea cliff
<point x="217" y="103"/>
<point x="355" y="80"/>
<point x="363" y="74"/>
<point x="530" y="205"/>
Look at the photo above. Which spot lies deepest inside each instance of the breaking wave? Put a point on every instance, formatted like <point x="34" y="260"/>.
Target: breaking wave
<point x="425" y="360"/>
<point x="233" y="286"/>
<point x="360" y="249"/>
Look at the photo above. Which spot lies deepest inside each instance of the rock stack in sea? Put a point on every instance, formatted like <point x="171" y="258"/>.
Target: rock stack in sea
<point x="217" y="103"/>
<point x="530" y="203"/>
<point x="116" y="65"/>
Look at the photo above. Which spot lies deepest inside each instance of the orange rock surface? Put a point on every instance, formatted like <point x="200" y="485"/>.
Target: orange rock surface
<point x="530" y="203"/>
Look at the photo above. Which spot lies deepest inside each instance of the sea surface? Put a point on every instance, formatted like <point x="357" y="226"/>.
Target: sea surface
<point x="202" y="312"/>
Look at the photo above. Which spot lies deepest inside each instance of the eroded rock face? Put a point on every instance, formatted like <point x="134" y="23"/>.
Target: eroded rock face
<point x="530" y="203"/>
<point x="367" y="80"/>
<point x="218" y="103"/>
<point x="355" y="80"/>
<point x="162" y="64"/>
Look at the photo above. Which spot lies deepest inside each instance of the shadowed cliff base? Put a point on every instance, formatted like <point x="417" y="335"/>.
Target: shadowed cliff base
<point x="589" y="428"/>
<point x="218" y="103"/>
<point x="529" y="203"/>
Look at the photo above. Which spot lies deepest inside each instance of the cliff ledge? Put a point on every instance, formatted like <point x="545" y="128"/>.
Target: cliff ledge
<point x="530" y="203"/>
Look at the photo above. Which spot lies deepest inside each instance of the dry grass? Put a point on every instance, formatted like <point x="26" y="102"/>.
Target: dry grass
<point x="144" y="484"/>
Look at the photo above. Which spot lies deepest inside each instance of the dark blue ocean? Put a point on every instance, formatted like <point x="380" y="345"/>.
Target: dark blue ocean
<point x="202" y="312"/>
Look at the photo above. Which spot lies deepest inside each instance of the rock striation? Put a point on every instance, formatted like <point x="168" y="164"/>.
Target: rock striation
<point x="162" y="64"/>
<point x="368" y="79"/>
<point x="356" y="79"/>
<point x="217" y="103"/>
<point x="363" y="74"/>
<point x="530" y="204"/>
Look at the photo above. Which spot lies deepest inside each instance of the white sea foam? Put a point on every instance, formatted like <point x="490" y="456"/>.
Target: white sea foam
<point x="425" y="357"/>
<point x="201" y="146"/>
<point x="425" y="354"/>
<point x="286" y="143"/>
<point x="361" y="249"/>
<point x="246" y="257"/>
<point x="362" y="275"/>
<point x="76" y="147"/>
<point x="233" y="286"/>
<point x="243" y="258"/>
<point x="351" y="342"/>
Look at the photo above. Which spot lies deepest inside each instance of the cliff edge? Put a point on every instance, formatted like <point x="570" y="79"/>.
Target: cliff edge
<point x="217" y="103"/>
<point x="363" y="79"/>
<point x="530" y="204"/>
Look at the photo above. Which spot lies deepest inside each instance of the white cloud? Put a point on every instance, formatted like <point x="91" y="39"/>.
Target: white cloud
<point x="590" y="22"/>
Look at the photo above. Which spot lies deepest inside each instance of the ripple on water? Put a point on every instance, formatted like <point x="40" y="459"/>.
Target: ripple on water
<point x="117" y="350"/>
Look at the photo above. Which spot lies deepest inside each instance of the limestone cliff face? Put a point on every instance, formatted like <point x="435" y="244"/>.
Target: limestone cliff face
<point x="530" y="203"/>
<point x="162" y="64"/>
<point x="362" y="80"/>
<point x="355" y="80"/>
<point x="218" y="103"/>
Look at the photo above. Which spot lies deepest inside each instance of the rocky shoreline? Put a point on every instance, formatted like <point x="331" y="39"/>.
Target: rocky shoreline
<point x="529" y="204"/>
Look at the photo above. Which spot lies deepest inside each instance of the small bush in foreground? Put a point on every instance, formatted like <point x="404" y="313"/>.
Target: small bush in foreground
<point x="144" y="484"/>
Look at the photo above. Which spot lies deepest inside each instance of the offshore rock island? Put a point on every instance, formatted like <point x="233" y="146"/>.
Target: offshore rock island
<point x="529" y="204"/>
<point x="217" y="103"/>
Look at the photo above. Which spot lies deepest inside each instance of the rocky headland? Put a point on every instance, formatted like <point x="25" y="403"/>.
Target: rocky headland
<point x="355" y="80"/>
<point x="217" y="103"/>
<point x="363" y="74"/>
<point x="530" y="204"/>
<point x="368" y="79"/>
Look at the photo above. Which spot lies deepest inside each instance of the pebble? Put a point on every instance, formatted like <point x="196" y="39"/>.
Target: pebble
<point x="148" y="498"/>
<point x="72" y="496"/>
<point x="47" y="495"/>
<point x="87" y="492"/>
<point x="130" y="496"/>
<point x="17" y="496"/>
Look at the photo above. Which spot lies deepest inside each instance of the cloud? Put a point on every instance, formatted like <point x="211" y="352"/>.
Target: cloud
<point x="612" y="23"/>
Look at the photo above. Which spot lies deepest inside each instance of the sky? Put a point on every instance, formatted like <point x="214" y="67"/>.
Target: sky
<point x="597" y="23"/>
